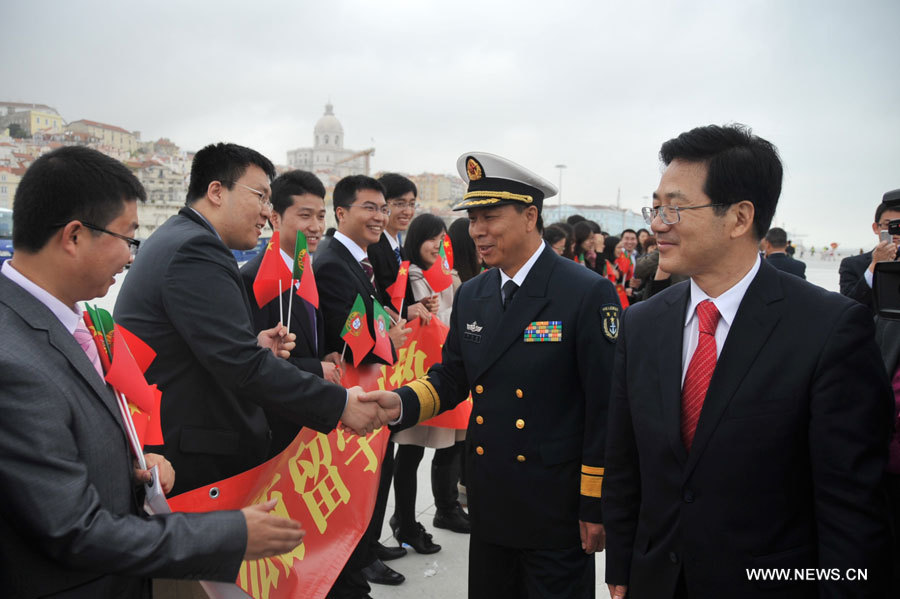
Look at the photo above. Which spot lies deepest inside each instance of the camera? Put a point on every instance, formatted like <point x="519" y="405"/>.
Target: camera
<point x="886" y="282"/>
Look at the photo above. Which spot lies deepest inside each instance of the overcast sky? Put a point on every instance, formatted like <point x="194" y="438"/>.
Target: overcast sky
<point x="595" y="85"/>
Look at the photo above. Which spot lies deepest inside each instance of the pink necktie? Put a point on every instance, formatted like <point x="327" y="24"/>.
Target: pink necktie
<point x="699" y="372"/>
<point x="86" y="341"/>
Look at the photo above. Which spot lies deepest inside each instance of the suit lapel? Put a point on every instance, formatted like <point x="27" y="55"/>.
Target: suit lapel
<point x="670" y="341"/>
<point x="756" y="317"/>
<point x="39" y="317"/>
<point x="356" y="268"/>
<point x="526" y="304"/>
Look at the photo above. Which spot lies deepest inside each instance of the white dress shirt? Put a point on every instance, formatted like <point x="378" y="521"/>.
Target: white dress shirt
<point x="727" y="304"/>
<point x="69" y="316"/>
<point x="357" y="252"/>
<point x="523" y="272"/>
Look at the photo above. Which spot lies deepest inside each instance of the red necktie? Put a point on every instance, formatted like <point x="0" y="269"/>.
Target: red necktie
<point x="699" y="371"/>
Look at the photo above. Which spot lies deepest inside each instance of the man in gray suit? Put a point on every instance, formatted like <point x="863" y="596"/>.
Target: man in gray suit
<point x="70" y="521"/>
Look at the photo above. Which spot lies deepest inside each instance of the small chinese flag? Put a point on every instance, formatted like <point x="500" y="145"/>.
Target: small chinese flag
<point x="438" y="276"/>
<point x="382" y="341"/>
<point x="397" y="290"/>
<point x="271" y="270"/>
<point x="448" y="250"/>
<point x="303" y="271"/>
<point x="356" y="331"/>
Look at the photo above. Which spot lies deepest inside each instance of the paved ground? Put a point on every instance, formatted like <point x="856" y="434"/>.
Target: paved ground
<point x="441" y="575"/>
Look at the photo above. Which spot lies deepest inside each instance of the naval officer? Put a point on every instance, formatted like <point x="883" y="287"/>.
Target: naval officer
<point x="532" y="339"/>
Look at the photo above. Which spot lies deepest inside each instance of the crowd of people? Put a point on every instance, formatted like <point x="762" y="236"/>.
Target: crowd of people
<point x="677" y="396"/>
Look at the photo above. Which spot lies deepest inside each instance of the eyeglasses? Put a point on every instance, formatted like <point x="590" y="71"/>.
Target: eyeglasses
<point x="669" y="215"/>
<point x="263" y="202"/>
<point x="133" y="244"/>
<point x="401" y="205"/>
<point x="373" y="209"/>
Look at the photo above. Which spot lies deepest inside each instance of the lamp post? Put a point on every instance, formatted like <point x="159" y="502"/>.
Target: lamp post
<point x="559" y="200"/>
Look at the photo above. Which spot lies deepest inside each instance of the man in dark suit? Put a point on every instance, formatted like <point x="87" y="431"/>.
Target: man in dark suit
<point x="857" y="272"/>
<point x="184" y="297"/>
<point x="775" y="248"/>
<point x="71" y="524"/>
<point x="750" y="411"/>
<point x="387" y="253"/>
<point x="298" y="204"/>
<point x="533" y="340"/>
<point x="343" y="271"/>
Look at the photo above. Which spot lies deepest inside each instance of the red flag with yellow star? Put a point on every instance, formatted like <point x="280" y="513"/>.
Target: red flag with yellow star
<point x="272" y="269"/>
<point x="397" y="290"/>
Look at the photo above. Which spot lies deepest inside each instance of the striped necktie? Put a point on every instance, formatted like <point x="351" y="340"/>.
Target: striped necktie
<point x="370" y="272"/>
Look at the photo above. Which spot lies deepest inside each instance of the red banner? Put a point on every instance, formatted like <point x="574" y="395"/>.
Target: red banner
<point x="327" y="482"/>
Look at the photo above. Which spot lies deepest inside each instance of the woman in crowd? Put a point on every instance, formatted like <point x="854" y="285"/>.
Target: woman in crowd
<point x="642" y="235"/>
<point x="570" y="239"/>
<point x="423" y="245"/>
<point x="584" y="244"/>
<point x="555" y="238"/>
<point x="466" y="261"/>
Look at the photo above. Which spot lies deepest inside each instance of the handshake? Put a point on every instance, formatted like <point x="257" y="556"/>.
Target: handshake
<point x="366" y="412"/>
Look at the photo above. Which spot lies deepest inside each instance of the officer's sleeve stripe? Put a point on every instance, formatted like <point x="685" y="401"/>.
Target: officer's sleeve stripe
<point x="429" y="401"/>
<point x="592" y="470"/>
<point x="591" y="485"/>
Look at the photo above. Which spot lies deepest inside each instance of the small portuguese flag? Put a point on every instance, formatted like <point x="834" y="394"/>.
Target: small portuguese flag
<point x="303" y="271"/>
<point x="356" y="331"/>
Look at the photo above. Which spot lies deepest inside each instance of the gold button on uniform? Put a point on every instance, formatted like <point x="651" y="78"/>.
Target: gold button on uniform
<point x="519" y="393"/>
<point x="479" y="389"/>
<point x="520" y="457"/>
<point x="479" y="450"/>
<point x="479" y="419"/>
<point x="520" y="423"/>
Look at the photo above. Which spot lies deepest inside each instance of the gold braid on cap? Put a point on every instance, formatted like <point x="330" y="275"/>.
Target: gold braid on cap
<point x="497" y="196"/>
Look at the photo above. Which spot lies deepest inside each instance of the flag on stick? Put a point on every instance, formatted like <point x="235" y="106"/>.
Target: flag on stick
<point x="303" y="271"/>
<point x="356" y="331"/>
<point x="272" y="269"/>
<point x="438" y="276"/>
<point x="382" y="341"/>
<point x="397" y="290"/>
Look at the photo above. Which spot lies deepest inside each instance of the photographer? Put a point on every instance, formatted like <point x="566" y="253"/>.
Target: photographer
<point x="856" y="272"/>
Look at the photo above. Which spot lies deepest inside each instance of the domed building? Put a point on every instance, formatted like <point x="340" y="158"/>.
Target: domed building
<point x="327" y="158"/>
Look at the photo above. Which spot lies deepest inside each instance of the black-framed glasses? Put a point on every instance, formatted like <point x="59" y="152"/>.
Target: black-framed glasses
<point x="669" y="215"/>
<point x="133" y="244"/>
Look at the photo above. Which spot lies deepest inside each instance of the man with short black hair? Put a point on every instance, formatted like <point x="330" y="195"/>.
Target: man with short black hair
<point x="774" y="246"/>
<point x="70" y="518"/>
<point x="857" y="272"/>
<point x="184" y="297"/>
<point x="343" y="272"/>
<point x="750" y="411"/>
<point x="298" y="205"/>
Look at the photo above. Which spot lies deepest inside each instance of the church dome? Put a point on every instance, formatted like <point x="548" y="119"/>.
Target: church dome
<point x="329" y="132"/>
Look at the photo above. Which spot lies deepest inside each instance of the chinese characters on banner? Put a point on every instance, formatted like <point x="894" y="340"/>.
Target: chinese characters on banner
<point x="327" y="482"/>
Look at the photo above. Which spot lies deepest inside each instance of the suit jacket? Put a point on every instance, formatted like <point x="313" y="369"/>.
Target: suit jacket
<point x="308" y="353"/>
<point x="340" y="278"/>
<point x="384" y="263"/>
<point x="783" y="262"/>
<point x="535" y="440"/>
<point x="786" y="463"/>
<point x="184" y="297"/>
<point x="69" y="513"/>
<point x="853" y="280"/>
